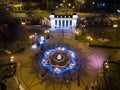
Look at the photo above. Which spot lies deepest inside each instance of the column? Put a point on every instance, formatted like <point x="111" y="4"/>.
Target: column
<point x="72" y="23"/>
<point x="55" y="23"/>
<point x="52" y="22"/>
<point x="65" y="23"/>
<point x="58" y="24"/>
<point x="68" y="23"/>
<point x="20" y="8"/>
<point x="25" y="20"/>
<point x="61" y="23"/>
<point x="17" y="9"/>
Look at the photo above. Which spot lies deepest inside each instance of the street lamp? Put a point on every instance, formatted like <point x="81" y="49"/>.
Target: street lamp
<point x="61" y="4"/>
<point x="23" y="23"/>
<point x="83" y="1"/>
<point x="73" y="7"/>
<point x="76" y="34"/>
<point x="93" y="2"/>
<point x="89" y="38"/>
<point x="69" y="4"/>
<point x="56" y="6"/>
<point x="116" y="27"/>
<point x="63" y="1"/>
<point x="107" y="66"/>
<point x="11" y="58"/>
<point x="31" y="36"/>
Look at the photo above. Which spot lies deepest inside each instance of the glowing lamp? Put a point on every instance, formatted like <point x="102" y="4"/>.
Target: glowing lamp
<point x="23" y="23"/>
<point x="34" y="46"/>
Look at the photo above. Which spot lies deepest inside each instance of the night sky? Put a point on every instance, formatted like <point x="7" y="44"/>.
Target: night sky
<point x="107" y="5"/>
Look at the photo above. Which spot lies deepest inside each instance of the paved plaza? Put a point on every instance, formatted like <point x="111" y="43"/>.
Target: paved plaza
<point x="29" y="74"/>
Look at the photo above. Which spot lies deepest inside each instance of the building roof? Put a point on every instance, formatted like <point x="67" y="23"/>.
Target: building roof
<point x="63" y="15"/>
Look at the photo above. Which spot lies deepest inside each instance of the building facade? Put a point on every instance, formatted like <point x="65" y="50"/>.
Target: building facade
<point x="63" y="21"/>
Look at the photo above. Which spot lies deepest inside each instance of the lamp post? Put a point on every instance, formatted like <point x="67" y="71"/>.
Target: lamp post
<point x="76" y="34"/>
<point x="106" y="74"/>
<point x="12" y="59"/>
<point x="115" y="26"/>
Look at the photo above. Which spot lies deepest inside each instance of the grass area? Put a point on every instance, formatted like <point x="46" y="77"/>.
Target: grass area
<point x="23" y="41"/>
<point x="112" y="75"/>
<point x="111" y="35"/>
<point x="36" y="13"/>
<point x="7" y="70"/>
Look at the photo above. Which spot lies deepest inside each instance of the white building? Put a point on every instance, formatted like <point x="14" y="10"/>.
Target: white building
<point x="63" y="21"/>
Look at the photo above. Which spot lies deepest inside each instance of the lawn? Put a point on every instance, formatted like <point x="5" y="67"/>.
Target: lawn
<point x="105" y="33"/>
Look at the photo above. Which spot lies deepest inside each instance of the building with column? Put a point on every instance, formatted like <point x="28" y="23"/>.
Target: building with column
<point x="63" y="21"/>
<point x="17" y="7"/>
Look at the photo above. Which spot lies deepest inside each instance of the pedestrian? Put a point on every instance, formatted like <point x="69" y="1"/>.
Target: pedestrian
<point x="62" y="32"/>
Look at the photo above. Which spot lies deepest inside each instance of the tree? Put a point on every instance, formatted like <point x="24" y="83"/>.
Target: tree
<point x="4" y="15"/>
<point x="8" y="27"/>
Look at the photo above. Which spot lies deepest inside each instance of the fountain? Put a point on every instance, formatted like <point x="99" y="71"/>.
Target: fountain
<point x="59" y="57"/>
<point x="59" y="60"/>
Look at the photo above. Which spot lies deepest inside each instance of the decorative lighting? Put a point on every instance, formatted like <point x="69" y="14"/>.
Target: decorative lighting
<point x="34" y="46"/>
<point x="118" y="11"/>
<point x="59" y="60"/>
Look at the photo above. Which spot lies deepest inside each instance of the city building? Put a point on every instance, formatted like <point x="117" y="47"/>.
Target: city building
<point x="63" y="21"/>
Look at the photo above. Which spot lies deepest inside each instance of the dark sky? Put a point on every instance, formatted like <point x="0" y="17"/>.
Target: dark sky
<point x="38" y="0"/>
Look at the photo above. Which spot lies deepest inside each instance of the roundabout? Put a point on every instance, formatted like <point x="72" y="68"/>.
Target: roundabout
<point x="59" y="60"/>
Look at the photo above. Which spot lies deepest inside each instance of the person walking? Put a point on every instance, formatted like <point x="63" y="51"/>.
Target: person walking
<point x="62" y="32"/>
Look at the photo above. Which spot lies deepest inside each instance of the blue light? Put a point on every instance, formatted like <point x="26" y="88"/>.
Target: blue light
<point x="41" y="42"/>
<point x="101" y="5"/>
<point x="58" y="68"/>
<point x="118" y="11"/>
<point x="7" y="8"/>
<point x="34" y="46"/>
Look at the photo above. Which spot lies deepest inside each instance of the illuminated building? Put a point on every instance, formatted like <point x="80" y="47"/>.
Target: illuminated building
<point x="63" y="21"/>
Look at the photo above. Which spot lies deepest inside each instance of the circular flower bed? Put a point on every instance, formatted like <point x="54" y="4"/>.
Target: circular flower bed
<point x="59" y="60"/>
